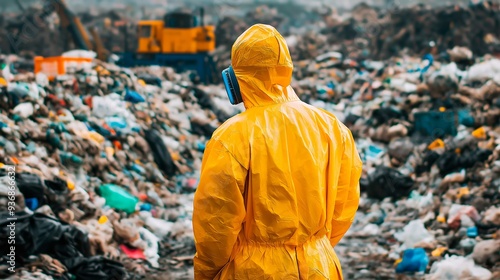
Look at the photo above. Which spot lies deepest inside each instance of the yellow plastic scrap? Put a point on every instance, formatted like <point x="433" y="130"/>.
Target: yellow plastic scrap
<point x="463" y="191"/>
<point x="3" y="82"/>
<point x="436" y="144"/>
<point x="52" y="114"/>
<point x="103" y="219"/>
<point x="397" y="262"/>
<point x="479" y="133"/>
<point x="438" y="251"/>
<point x="176" y="156"/>
<point x="279" y="185"/>
<point x="441" y="219"/>
<point x="96" y="137"/>
<point x="442" y="109"/>
<point x="141" y="82"/>
<point x="110" y="151"/>
<point x="71" y="185"/>
<point x="102" y="71"/>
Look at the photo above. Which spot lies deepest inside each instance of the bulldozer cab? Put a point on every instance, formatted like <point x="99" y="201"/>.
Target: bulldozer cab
<point x="150" y="34"/>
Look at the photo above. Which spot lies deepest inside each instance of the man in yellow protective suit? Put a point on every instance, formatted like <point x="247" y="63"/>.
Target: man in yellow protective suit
<point x="279" y="183"/>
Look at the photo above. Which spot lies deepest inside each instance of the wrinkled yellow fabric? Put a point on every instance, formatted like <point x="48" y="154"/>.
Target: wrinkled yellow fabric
<point x="279" y="183"/>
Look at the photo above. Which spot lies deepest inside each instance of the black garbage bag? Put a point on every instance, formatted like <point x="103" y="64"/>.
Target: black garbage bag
<point x="40" y="234"/>
<point x="202" y="129"/>
<point x="57" y="193"/>
<point x="31" y="186"/>
<point x="451" y="162"/>
<point x="96" y="267"/>
<point x="384" y="115"/>
<point x="160" y="153"/>
<point x="204" y="99"/>
<point x="425" y="166"/>
<point x="387" y="182"/>
<point x="351" y="119"/>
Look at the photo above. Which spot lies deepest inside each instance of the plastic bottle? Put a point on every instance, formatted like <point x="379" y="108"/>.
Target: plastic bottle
<point x="118" y="198"/>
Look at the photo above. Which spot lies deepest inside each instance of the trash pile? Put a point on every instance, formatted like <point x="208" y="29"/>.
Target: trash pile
<point x="428" y="131"/>
<point x="383" y="34"/>
<point x="106" y="161"/>
<point x="369" y="33"/>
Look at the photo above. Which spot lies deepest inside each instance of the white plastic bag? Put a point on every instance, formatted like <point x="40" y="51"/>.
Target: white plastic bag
<point x="414" y="233"/>
<point x="456" y="267"/>
<point x="483" y="71"/>
<point x="24" y="110"/>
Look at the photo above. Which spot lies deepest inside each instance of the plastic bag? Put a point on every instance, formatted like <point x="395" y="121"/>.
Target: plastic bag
<point x="160" y="228"/>
<point x="458" y="213"/>
<point x="483" y="71"/>
<point x="24" y="110"/>
<point x="387" y="182"/>
<point x="414" y="233"/>
<point x="414" y="260"/>
<point x="456" y="267"/>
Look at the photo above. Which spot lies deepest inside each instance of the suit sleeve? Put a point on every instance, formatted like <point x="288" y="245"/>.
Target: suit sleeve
<point x="218" y="211"/>
<point x="348" y="193"/>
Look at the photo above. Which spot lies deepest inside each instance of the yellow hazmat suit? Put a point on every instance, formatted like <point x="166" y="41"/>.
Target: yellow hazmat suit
<point x="279" y="183"/>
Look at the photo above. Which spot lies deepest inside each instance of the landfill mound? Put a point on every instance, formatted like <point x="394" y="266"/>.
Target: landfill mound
<point x="382" y="34"/>
<point x="370" y="33"/>
<point x="365" y="32"/>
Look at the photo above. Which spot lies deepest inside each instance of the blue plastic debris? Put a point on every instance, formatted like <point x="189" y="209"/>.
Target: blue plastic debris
<point x="116" y="123"/>
<point x="465" y="118"/>
<point x="438" y="124"/>
<point x="200" y="146"/>
<point x="145" y="207"/>
<point x="31" y="203"/>
<point x="414" y="260"/>
<point x="133" y="96"/>
<point x="137" y="168"/>
<point x="472" y="232"/>
<point x="374" y="152"/>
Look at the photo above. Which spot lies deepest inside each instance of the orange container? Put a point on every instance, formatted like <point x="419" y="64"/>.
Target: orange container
<point x="59" y="65"/>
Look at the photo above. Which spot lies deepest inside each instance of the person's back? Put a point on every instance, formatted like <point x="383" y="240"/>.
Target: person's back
<point x="279" y="182"/>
